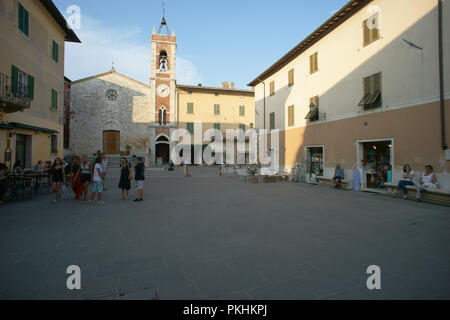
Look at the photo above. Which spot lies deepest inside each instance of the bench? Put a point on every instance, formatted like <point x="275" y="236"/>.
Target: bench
<point x="431" y="195"/>
<point x="345" y="184"/>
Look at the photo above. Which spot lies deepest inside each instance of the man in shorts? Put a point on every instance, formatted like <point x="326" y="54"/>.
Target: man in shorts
<point x="139" y="176"/>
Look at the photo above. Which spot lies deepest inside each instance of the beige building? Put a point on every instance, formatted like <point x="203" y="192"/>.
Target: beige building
<point x="110" y="112"/>
<point x="32" y="38"/>
<point x="363" y="90"/>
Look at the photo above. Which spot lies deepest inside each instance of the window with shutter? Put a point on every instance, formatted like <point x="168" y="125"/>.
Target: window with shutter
<point x="54" y="100"/>
<point x="190" y="127"/>
<point x="313" y="114"/>
<point x="291" y="77"/>
<point x="272" y="121"/>
<point x="272" y="88"/>
<point x="190" y="108"/>
<point x="23" y="19"/>
<point x="371" y="92"/>
<point x="217" y="109"/>
<point x="313" y="63"/>
<point x="371" y="29"/>
<point x="242" y="111"/>
<point x="55" y="51"/>
<point x="30" y="87"/>
<point x="291" y="119"/>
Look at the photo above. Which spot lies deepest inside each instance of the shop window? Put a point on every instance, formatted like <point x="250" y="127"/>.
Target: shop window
<point x="377" y="163"/>
<point x="371" y="29"/>
<point x="314" y="162"/>
<point x="371" y="92"/>
<point x="54" y="144"/>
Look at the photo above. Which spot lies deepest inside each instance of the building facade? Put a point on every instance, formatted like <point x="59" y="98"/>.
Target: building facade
<point x="115" y="114"/>
<point x="363" y="91"/>
<point x="32" y="38"/>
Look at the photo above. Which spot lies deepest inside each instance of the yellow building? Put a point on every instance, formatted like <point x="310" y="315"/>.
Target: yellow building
<point x="32" y="38"/>
<point x="216" y="108"/>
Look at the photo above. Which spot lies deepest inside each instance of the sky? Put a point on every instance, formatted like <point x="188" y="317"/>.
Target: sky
<point x="233" y="40"/>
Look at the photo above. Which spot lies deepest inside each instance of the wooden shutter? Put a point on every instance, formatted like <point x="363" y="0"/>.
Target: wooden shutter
<point x="54" y="99"/>
<point x="316" y="62"/>
<point x="30" y="87"/>
<point x="26" y="22"/>
<point x="375" y="31"/>
<point x="272" y="121"/>
<point x="272" y="88"/>
<point x="217" y="109"/>
<point x="291" y="118"/>
<point x="55" y="51"/>
<point x="190" y="127"/>
<point x="21" y="17"/>
<point x="366" y="33"/>
<point x="242" y="111"/>
<point x="111" y="142"/>
<point x="190" y="108"/>
<point x="14" y="79"/>
<point x="291" y="77"/>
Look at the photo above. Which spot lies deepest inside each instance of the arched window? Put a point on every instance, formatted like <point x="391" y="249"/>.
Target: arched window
<point x="162" y="116"/>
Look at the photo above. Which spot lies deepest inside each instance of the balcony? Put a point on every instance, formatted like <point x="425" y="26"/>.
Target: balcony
<point x="13" y="98"/>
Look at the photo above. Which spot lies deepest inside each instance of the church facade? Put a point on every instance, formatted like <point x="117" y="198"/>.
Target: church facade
<point x="118" y="115"/>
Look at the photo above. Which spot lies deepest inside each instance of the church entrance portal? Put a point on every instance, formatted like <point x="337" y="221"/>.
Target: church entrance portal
<point x="162" y="151"/>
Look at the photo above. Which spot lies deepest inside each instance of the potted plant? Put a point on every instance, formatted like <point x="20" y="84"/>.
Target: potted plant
<point x="128" y="148"/>
<point x="253" y="172"/>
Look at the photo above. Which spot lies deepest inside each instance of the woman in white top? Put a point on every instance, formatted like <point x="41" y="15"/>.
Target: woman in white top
<point x="407" y="180"/>
<point x="428" y="180"/>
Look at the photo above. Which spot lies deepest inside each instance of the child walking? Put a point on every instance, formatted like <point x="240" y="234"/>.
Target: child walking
<point x="98" y="182"/>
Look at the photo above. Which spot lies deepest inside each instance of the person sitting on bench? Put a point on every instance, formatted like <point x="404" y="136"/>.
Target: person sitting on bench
<point x="428" y="180"/>
<point x="338" y="176"/>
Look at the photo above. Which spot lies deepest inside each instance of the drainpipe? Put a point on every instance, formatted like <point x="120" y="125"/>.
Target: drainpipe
<point x="441" y="76"/>
<point x="265" y="135"/>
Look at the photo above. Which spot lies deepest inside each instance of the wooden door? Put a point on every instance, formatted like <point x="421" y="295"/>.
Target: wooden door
<point x="111" y="142"/>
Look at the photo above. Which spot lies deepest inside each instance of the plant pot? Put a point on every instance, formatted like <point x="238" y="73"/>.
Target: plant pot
<point x="254" y="179"/>
<point x="270" y="179"/>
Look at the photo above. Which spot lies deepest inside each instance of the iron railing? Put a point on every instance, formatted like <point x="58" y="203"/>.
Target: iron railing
<point x="16" y="96"/>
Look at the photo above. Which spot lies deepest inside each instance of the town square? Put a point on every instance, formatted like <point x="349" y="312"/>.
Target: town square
<point x="176" y="150"/>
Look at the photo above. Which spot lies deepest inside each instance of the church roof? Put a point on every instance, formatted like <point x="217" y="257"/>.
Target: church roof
<point x="112" y="71"/>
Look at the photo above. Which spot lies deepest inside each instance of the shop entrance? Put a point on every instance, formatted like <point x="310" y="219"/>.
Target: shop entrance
<point x="314" y="163"/>
<point x="376" y="162"/>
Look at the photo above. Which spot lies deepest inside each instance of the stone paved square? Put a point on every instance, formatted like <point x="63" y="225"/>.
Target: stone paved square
<point x="211" y="237"/>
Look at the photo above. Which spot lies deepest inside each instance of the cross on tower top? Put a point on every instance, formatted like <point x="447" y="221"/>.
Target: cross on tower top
<point x="163" y="21"/>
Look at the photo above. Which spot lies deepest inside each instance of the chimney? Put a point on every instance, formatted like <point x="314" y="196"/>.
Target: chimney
<point x="225" y="85"/>
<point x="199" y="84"/>
<point x="232" y="85"/>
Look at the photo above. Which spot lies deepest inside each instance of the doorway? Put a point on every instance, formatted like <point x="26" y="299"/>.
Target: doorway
<point x="111" y="142"/>
<point x="314" y="163"/>
<point x="376" y="158"/>
<point x="162" y="151"/>
<point x="22" y="153"/>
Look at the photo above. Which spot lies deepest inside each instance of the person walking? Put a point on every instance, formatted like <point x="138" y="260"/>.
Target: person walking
<point x="75" y="175"/>
<point x="85" y="177"/>
<point x="3" y="181"/>
<point x="58" y="178"/>
<point x="125" y="178"/>
<point x="139" y="176"/>
<point x="98" y="182"/>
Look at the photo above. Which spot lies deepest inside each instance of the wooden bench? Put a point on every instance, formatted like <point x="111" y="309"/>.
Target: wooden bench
<point x="329" y="182"/>
<point x="431" y="195"/>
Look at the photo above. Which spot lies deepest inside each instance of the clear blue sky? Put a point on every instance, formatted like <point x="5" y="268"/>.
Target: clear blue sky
<point x="233" y="40"/>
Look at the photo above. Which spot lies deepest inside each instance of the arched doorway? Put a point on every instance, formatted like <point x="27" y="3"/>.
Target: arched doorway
<point x="162" y="153"/>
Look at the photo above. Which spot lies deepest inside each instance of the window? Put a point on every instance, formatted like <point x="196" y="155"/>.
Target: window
<point x="54" y="145"/>
<point x="217" y="109"/>
<point x="371" y="92"/>
<point x="313" y="114"/>
<point x="313" y="63"/>
<point x="242" y="111"/>
<point x="217" y="126"/>
<point x="291" y="118"/>
<point x="190" y="108"/>
<point x="24" y="20"/>
<point x="371" y="29"/>
<point x="54" y="105"/>
<point x="162" y="116"/>
<point x="22" y="84"/>
<point x="55" y="51"/>
<point x="272" y="88"/>
<point x="190" y="127"/>
<point x="272" y="121"/>
<point x="291" y="77"/>
<point x="242" y="127"/>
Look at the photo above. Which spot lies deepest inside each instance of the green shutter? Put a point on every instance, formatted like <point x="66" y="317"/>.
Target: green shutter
<point x="20" y="17"/>
<point x="30" y="87"/>
<point x="14" y="78"/>
<point x="25" y="22"/>
<point x="55" y="51"/>
<point x="54" y="99"/>
<point x="190" y="127"/>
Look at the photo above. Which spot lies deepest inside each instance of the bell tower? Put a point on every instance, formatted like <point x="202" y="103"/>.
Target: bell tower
<point x="163" y="91"/>
<point x="163" y="70"/>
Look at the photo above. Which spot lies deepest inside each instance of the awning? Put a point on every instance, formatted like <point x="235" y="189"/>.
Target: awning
<point x="29" y="127"/>
<point x="6" y="126"/>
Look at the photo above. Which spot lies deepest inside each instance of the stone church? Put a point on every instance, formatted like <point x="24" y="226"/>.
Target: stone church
<point x="111" y="112"/>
